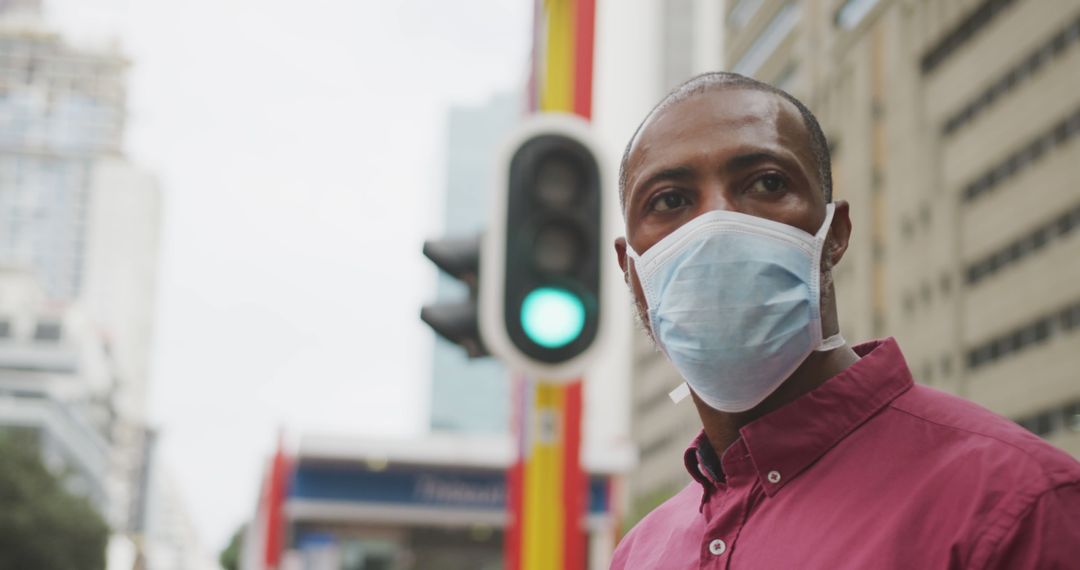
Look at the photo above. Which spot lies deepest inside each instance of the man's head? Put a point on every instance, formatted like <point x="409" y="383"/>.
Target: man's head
<point x="726" y="80"/>
<point x="722" y="141"/>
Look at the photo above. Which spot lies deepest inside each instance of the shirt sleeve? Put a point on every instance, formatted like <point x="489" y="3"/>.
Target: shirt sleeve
<point x="1047" y="535"/>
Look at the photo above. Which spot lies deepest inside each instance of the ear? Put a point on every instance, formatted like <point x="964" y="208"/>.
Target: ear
<point x="839" y="233"/>
<point x="620" y="253"/>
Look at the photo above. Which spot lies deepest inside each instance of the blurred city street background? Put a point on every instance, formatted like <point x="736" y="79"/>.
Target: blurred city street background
<point x="212" y="215"/>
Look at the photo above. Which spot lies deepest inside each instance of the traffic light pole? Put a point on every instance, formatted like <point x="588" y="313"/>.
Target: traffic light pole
<point x="540" y="313"/>
<point x="534" y="282"/>
<point x="547" y="485"/>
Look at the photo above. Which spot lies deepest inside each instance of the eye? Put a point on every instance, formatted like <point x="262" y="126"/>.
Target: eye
<point x="768" y="184"/>
<point x="668" y="201"/>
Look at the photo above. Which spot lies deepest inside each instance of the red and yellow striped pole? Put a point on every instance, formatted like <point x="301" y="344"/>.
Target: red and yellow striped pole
<point x="547" y="486"/>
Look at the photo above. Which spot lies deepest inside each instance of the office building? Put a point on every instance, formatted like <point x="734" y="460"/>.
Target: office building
<point x="56" y="380"/>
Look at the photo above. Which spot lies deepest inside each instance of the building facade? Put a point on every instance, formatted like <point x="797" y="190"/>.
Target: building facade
<point x="55" y="386"/>
<point x="79" y="242"/>
<point x="954" y="127"/>
<point x="440" y="502"/>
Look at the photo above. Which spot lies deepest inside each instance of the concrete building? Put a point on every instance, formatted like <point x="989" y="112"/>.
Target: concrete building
<point x="55" y="384"/>
<point x="955" y="132"/>
<point x="78" y="218"/>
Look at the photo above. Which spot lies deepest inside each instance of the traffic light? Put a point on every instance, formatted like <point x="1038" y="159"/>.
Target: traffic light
<point x="457" y="321"/>
<point x="541" y="275"/>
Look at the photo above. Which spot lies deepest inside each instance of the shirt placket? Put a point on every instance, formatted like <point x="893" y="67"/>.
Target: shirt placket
<point x="726" y="512"/>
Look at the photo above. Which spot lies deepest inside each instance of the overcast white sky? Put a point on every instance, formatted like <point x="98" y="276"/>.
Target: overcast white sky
<point x="299" y="149"/>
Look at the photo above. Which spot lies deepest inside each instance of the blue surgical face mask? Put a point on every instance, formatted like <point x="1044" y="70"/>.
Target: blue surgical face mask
<point x="734" y="302"/>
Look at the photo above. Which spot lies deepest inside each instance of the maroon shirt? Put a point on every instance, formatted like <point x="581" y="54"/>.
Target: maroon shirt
<point x="869" y="470"/>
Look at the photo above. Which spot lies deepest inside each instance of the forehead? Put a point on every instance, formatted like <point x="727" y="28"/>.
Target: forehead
<point x="725" y="117"/>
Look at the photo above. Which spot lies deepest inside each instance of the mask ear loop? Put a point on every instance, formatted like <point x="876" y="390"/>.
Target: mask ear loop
<point x="832" y="343"/>
<point x="679" y="394"/>
<point x="837" y="340"/>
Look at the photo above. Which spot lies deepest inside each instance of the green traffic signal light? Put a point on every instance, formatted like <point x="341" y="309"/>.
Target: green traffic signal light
<point x="552" y="317"/>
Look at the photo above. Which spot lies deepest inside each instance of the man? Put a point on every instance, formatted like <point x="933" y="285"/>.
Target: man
<point x="813" y="454"/>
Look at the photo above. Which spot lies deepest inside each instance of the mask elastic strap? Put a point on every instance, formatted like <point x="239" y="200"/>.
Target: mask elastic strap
<point x="679" y="394"/>
<point x="832" y="343"/>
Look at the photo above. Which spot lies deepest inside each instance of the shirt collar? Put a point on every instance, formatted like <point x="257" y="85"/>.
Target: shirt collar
<point x="786" y="441"/>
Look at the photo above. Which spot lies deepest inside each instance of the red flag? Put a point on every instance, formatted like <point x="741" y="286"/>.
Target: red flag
<point x="275" y="502"/>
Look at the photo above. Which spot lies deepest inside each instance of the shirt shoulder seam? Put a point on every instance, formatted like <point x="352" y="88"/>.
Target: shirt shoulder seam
<point x="1042" y="469"/>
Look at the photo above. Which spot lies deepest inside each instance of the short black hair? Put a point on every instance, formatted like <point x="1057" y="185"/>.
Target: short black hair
<point x="718" y="80"/>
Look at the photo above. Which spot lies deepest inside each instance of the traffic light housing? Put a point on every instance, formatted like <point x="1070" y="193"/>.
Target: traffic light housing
<point x="541" y="265"/>
<point x="457" y="321"/>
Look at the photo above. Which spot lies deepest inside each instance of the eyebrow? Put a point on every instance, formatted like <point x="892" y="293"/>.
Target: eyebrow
<point x="672" y="173"/>
<point x="744" y="161"/>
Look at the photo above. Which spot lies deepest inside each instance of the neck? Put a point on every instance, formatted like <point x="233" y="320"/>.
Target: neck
<point x="722" y="428"/>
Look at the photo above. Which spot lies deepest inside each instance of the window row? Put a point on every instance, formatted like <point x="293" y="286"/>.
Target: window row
<point x="1026" y="245"/>
<point x="1037" y="332"/>
<point x="1019" y="73"/>
<point x="770" y="39"/>
<point x="962" y="33"/>
<point x="926" y="371"/>
<point x="743" y="12"/>
<point x="1020" y="160"/>
<point x="923" y="295"/>
<point x="851" y="12"/>
<point x="48" y="331"/>
<point x="1048" y="422"/>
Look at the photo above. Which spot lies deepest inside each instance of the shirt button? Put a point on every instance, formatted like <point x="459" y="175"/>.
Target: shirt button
<point x="774" y="477"/>
<point x="717" y="547"/>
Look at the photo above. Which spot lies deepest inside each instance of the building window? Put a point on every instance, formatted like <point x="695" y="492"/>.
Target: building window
<point x="907" y="228"/>
<point x="743" y="12"/>
<point x="771" y="37"/>
<point x="47" y="331"/>
<point x="1050" y="421"/>
<point x="1024" y="246"/>
<point x="1033" y="333"/>
<point x="852" y="12"/>
<point x="962" y="33"/>
<point x="946" y="284"/>
<point x="1014" y="77"/>
<point x="1070" y="318"/>
<point x="1017" y="162"/>
<point x="946" y="365"/>
<point x="1072" y="417"/>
